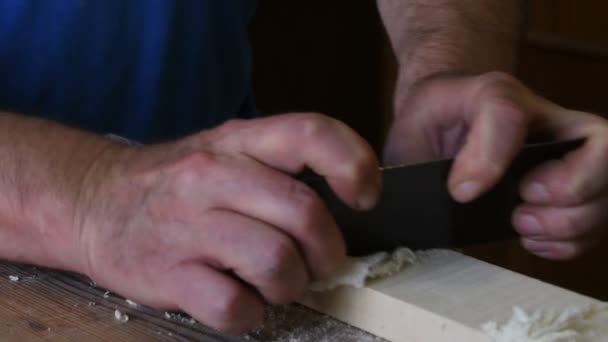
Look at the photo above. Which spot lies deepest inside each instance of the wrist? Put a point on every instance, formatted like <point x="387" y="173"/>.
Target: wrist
<point x="107" y="163"/>
<point x="407" y="84"/>
<point x="44" y="165"/>
<point x="408" y="89"/>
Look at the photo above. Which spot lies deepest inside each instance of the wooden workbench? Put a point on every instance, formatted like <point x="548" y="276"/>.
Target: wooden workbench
<point x="57" y="306"/>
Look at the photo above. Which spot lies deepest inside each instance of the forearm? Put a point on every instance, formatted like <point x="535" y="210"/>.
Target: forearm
<point x="42" y="166"/>
<point x="431" y="37"/>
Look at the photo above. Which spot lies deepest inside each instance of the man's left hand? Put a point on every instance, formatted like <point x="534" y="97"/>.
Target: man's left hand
<point x="483" y="121"/>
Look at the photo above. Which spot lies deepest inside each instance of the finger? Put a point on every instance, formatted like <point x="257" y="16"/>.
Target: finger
<point x="256" y="191"/>
<point x="577" y="178"/>
<point x="556" y="250"/>
<point x="498" y="130"/>
<point x="257" y="253"/>
<point x="213" y="298"/>
<point x="292" y="142"/>
<point x="560" y="223"/>
<point x="282" y="202"/>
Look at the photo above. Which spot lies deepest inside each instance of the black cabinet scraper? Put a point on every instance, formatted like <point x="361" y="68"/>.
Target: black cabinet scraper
<point x="416" y="210"/>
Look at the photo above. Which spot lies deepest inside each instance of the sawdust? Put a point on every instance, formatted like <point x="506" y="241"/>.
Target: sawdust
<point x="183" y="318"/>
<point x="296" y="323"/>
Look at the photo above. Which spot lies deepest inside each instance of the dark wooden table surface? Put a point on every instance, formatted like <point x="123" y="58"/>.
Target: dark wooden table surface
<point x="47" y="305"/>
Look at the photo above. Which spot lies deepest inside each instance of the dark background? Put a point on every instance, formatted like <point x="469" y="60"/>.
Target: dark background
<point x="332" y="56"/>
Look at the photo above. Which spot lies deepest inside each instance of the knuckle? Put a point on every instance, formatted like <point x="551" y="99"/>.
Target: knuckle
<point x="197" y="161"/>
<point x="498" y="79"/>
<point x="500" y="90"/>
<point x="510" y="113"/>
<point x="228" y="306"/>
<point x="231" y="125"/>
<point x="505" y="108"/>
<point x="314" y="126"/>
<point x="573" y="195"/>
<point x="305" y="204"/>
<point x="361" y="166"/>
<point x="208" y="136"/>
<point x="309" y="207"/>
<point x="226" y="136"/>
<point x="189" y="169"/>
<point x="279" y="278"/>
<point x="280" y="254"/>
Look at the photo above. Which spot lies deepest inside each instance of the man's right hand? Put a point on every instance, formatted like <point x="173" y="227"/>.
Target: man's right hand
<point x="214" y="224"/>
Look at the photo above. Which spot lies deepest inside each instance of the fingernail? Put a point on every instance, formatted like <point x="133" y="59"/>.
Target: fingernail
<point x="528" y="225"/>
<point x="369" y="197"/>
<point x="467" y="191"/>
<point x="536" y="192"/>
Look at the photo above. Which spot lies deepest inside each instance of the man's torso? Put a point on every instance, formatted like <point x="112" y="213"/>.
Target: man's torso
<point x="145" y="69"/>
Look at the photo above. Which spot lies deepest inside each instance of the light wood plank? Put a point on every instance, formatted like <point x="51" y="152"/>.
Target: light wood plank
<point x="444" y="297"/>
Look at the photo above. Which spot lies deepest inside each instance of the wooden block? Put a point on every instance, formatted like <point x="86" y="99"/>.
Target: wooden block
<point x="446" y="296"/>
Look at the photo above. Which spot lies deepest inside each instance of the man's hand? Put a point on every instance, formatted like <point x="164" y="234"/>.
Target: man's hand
<point x="483" y="121"/>
<point x="214" y="224"/>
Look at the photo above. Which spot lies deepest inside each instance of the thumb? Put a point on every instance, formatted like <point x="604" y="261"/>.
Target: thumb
<point x="498" y="129"/>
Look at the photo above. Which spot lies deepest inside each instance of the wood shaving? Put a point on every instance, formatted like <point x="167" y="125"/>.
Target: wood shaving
<point x="577" y="324"/>
<point x="296" y="323"/>
<point x="357" y="271"/>
<point x="120" y="316"/>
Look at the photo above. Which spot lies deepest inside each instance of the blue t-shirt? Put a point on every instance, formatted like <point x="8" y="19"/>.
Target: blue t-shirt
<point x="145" y="69"/>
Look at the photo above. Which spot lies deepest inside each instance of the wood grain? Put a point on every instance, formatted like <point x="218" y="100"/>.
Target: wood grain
<point x="47" y="305"/>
